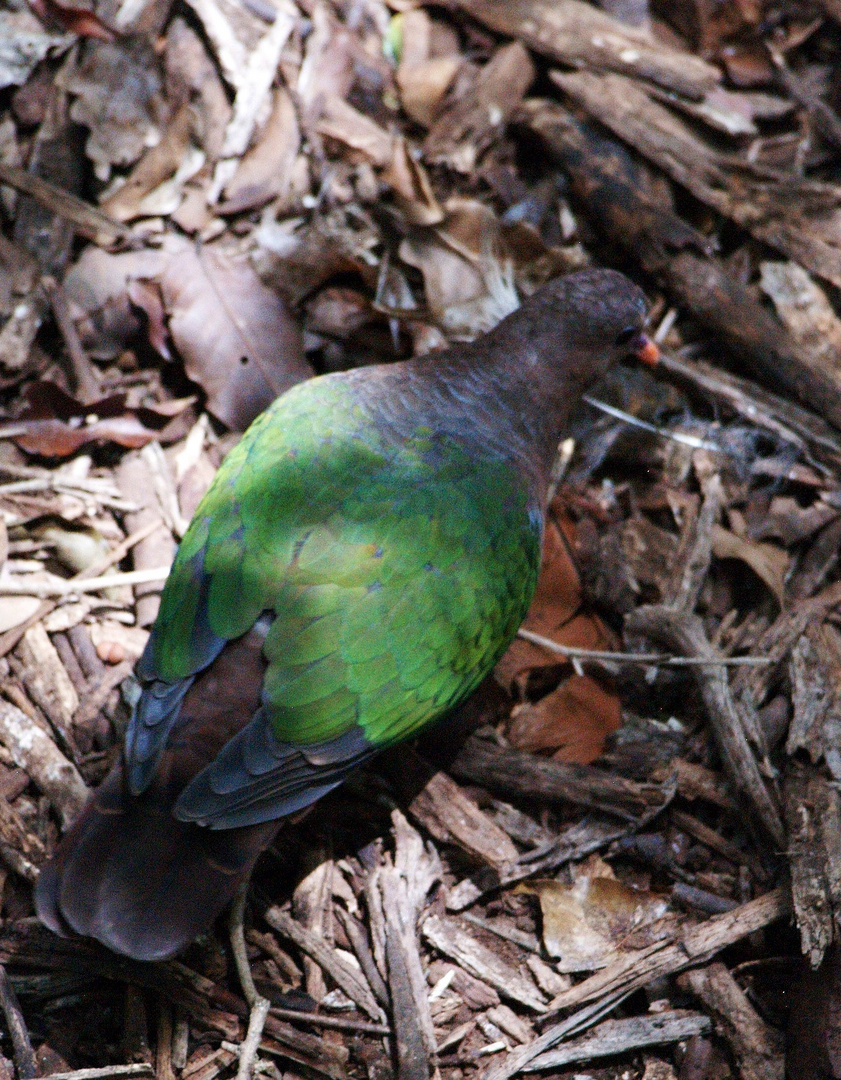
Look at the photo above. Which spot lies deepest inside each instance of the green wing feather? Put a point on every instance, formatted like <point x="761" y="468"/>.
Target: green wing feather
<point x="397" y="571"/>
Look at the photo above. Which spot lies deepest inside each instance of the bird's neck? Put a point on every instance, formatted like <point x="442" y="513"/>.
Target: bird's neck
<point x="517" y="409"/>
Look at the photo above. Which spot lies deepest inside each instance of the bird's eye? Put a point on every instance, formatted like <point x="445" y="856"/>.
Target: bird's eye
<point x="626" y="337"/>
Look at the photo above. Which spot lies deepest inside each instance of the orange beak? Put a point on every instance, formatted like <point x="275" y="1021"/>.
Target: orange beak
<point x="645" y="350"/>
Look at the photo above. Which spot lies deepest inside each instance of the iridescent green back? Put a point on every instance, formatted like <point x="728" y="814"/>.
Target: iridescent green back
<point x="397" y="570"/>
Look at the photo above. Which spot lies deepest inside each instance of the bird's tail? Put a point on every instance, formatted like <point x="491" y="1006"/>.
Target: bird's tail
<point x="133" y="877"/>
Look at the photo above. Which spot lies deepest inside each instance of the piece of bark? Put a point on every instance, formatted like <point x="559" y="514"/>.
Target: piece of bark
<point x="606" y="988"/>
<point x="685" y="634"/>
<point x="517" y="773"/>
<point x="578" y="35"/>
<point x="411" y="1034"/>
<point x="778" y="640"/>
<point x="361" y="947"/>
<point x="575" y="843"/>
<point x="48" y="683"/>
<point x="621" y="1036"/>
<point x="20" y="849"/>
<point x="48" y="768"/>
<point x="801" y="218"/>
<point x="451" y="938"/>
<point x="758" y="1048"/>
<point x="813" y="816"/>
<point x="680" y="258"/>
<point x="312" y="908"/>
<point x="137" y="484"/>
<point x="462" y="133"/>
<point x="473" y="992"/>
<point x="403" y="888"/>
<point x="453" y="818"/>
<point x="694" y="946"/>
<point x="349" y="980"/>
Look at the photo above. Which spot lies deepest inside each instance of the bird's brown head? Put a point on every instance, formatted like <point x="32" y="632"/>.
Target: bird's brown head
<point x="587" y="321"/>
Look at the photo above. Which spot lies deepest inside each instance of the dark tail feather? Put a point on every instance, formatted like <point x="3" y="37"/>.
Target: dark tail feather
<point x="142" y="883"/>
<point x="131" y="875"/>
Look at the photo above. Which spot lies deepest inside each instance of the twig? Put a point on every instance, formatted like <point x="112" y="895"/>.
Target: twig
<point x="86" y="219"/>
<point x="347" y="979"/>
<point x="649" y="659"/>
<point x="86" y="383"/>
<point x="251" y="1043"/>
<point x="338" y="1023"/>
<point x="676" y="436"/>
<point x="24" y="1055"/>
<point x="61" y="587"/>
<point x="686" y="632"/>
<point x="142" y="1068"/>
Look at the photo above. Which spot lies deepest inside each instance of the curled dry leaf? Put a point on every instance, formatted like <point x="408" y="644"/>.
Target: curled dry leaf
<point x="56" y="425"/>
<point x="587" y="923"/>
<point x="266" y="171"/>
<point x="768" y="562"/>
<point x="411" y="186"/>
<point x="236" y="338"/>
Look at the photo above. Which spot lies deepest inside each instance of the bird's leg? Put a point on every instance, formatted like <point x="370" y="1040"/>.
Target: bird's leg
<point x="258" y="1005"/>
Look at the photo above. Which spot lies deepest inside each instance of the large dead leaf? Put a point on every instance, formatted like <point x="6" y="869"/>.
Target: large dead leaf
<point x="55" y="425"/>
<point x="585" y="924"/>
<point x="236" y="338"/>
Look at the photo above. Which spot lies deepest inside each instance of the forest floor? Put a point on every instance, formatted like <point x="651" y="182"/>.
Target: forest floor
<point x="622" y="858"/>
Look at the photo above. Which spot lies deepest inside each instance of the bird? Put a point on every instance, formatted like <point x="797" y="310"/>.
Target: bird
<point x="362" y="559"/>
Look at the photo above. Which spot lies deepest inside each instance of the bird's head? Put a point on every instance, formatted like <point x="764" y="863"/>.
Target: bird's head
<point x="585" y="322"/>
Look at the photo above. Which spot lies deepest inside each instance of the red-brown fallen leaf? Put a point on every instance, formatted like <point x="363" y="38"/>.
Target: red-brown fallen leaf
<point x="76" y="20"/>
<point x="576" y="718"/>
<point x="553" y="611"/>
<point x="573" y="721"/>
<point x="56" y="425"/>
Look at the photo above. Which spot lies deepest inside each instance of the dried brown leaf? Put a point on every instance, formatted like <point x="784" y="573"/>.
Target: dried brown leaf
<point x="585" y="924"/>
<point x="768" y="562"/>
<point x="236" y="338"/>
<point x="56" y="425"/>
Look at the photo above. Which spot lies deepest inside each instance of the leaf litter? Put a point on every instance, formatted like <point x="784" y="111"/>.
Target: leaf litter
<point x="595" y="866"/>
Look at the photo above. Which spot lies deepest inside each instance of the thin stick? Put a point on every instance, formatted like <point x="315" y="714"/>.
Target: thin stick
<point x="649" y="659"/>
<point x="142" y="1068"/>
<point x="24" y="1055"/>
<point x="87" y="384"/>
<point x="676" y="436"/>
<point x="335" y="1022"/>
<point x="251" y="1042"/>
<point x="60" y="587"/>
<point x="86" y="219"/>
